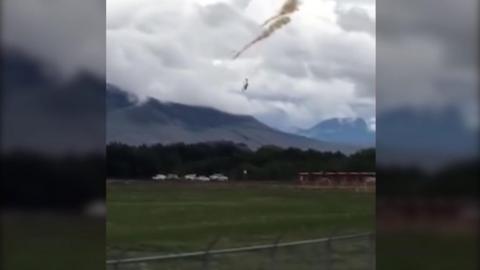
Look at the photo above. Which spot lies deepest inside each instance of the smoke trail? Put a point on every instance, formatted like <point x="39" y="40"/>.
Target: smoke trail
<point x="288" y="7"/>
<point x="265" y="34"/>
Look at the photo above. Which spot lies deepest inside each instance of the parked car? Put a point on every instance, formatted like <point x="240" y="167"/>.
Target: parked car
<point x="222" y="178"/>
<point x="202" y="178"/>
<point x="190" y="177"/>
<point x="172" y="176"/>
<point x="159" y="177"/>
<point x="218" y="177"/>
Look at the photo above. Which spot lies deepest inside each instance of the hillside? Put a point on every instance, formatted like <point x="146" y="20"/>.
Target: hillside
<point x="153" y="121"/>
<point x="353" y="131"/>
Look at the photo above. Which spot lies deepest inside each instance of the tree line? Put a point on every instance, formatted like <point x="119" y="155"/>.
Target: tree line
<point x="35" y="180"/>
<point x="265" y="163"/>
<point x="458" y="179"/>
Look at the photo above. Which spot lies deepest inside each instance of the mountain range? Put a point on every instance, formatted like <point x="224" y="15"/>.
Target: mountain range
<point x="353" y="131"/>
<point x="152" y="121"/>
<point x="44" y="111"/>
<point x="425" y="138"/>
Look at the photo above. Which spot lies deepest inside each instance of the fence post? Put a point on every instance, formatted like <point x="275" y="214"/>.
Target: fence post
<point x="372" y="252"/>
<point x="116" y="265"/>
<point x="143" y="266"/>
<point x="206" y="256"/>
<point x="328" y="254"/>
<point x="318" y="254"/>
<point x="273" y="253"/>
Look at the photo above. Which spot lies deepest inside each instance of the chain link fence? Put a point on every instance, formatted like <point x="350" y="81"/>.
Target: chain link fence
<point x="352" y="252"/>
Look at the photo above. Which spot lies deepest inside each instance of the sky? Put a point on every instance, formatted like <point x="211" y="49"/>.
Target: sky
<point x="321" y="65"/>
<point x="427" y="82"/>
<point x="66" y="35"/>
<point x="427" y="54"/>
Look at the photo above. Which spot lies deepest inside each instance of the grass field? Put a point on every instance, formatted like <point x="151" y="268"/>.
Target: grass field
<point x="427" y="250"/>
<point x="150" y="217"/>
<point x="33" y="241"/>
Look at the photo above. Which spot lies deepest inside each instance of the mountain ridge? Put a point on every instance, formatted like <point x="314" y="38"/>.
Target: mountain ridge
<point x="353" y="131"/>
<point x="153" y="121"/>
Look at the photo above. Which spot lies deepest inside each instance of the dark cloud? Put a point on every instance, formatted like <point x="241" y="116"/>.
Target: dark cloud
<point x="427" y="82"/>
<point x="450" y="24"/>
<point x="356" y="19"/>
<point x="427" y="49"/>
<point x="67" y="34"/>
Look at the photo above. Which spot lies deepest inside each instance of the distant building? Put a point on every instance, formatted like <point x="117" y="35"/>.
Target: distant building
<point x="332" y="179"/>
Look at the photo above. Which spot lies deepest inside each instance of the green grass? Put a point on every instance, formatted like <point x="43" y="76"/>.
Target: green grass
<point x="153" y="217"/>
<point x="52" y="241"/>
<point x="427" y="250"/>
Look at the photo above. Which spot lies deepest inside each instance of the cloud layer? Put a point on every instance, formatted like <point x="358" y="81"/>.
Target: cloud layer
<point x="317" y="67"/>
<point x="68" y="35"/>
<point x="427" y="53"/>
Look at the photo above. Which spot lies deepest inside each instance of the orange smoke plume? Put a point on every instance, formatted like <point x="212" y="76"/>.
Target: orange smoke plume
<point x="290" y="6"/>
<point x="282" y="21"/>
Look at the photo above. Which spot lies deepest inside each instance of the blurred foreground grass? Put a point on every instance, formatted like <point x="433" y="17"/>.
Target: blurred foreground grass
<point x="425" y="250"/>
<point x="52" y="241"/>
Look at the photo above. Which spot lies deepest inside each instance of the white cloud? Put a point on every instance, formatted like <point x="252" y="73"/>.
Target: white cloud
<point x="181" y="51"/>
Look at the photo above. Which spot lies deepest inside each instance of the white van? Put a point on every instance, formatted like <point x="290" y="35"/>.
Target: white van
<point x="218" y="177"/>
<point x="159" y="177"/>
<point x="190" y="177"/>
<point x="202" y="178"/>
